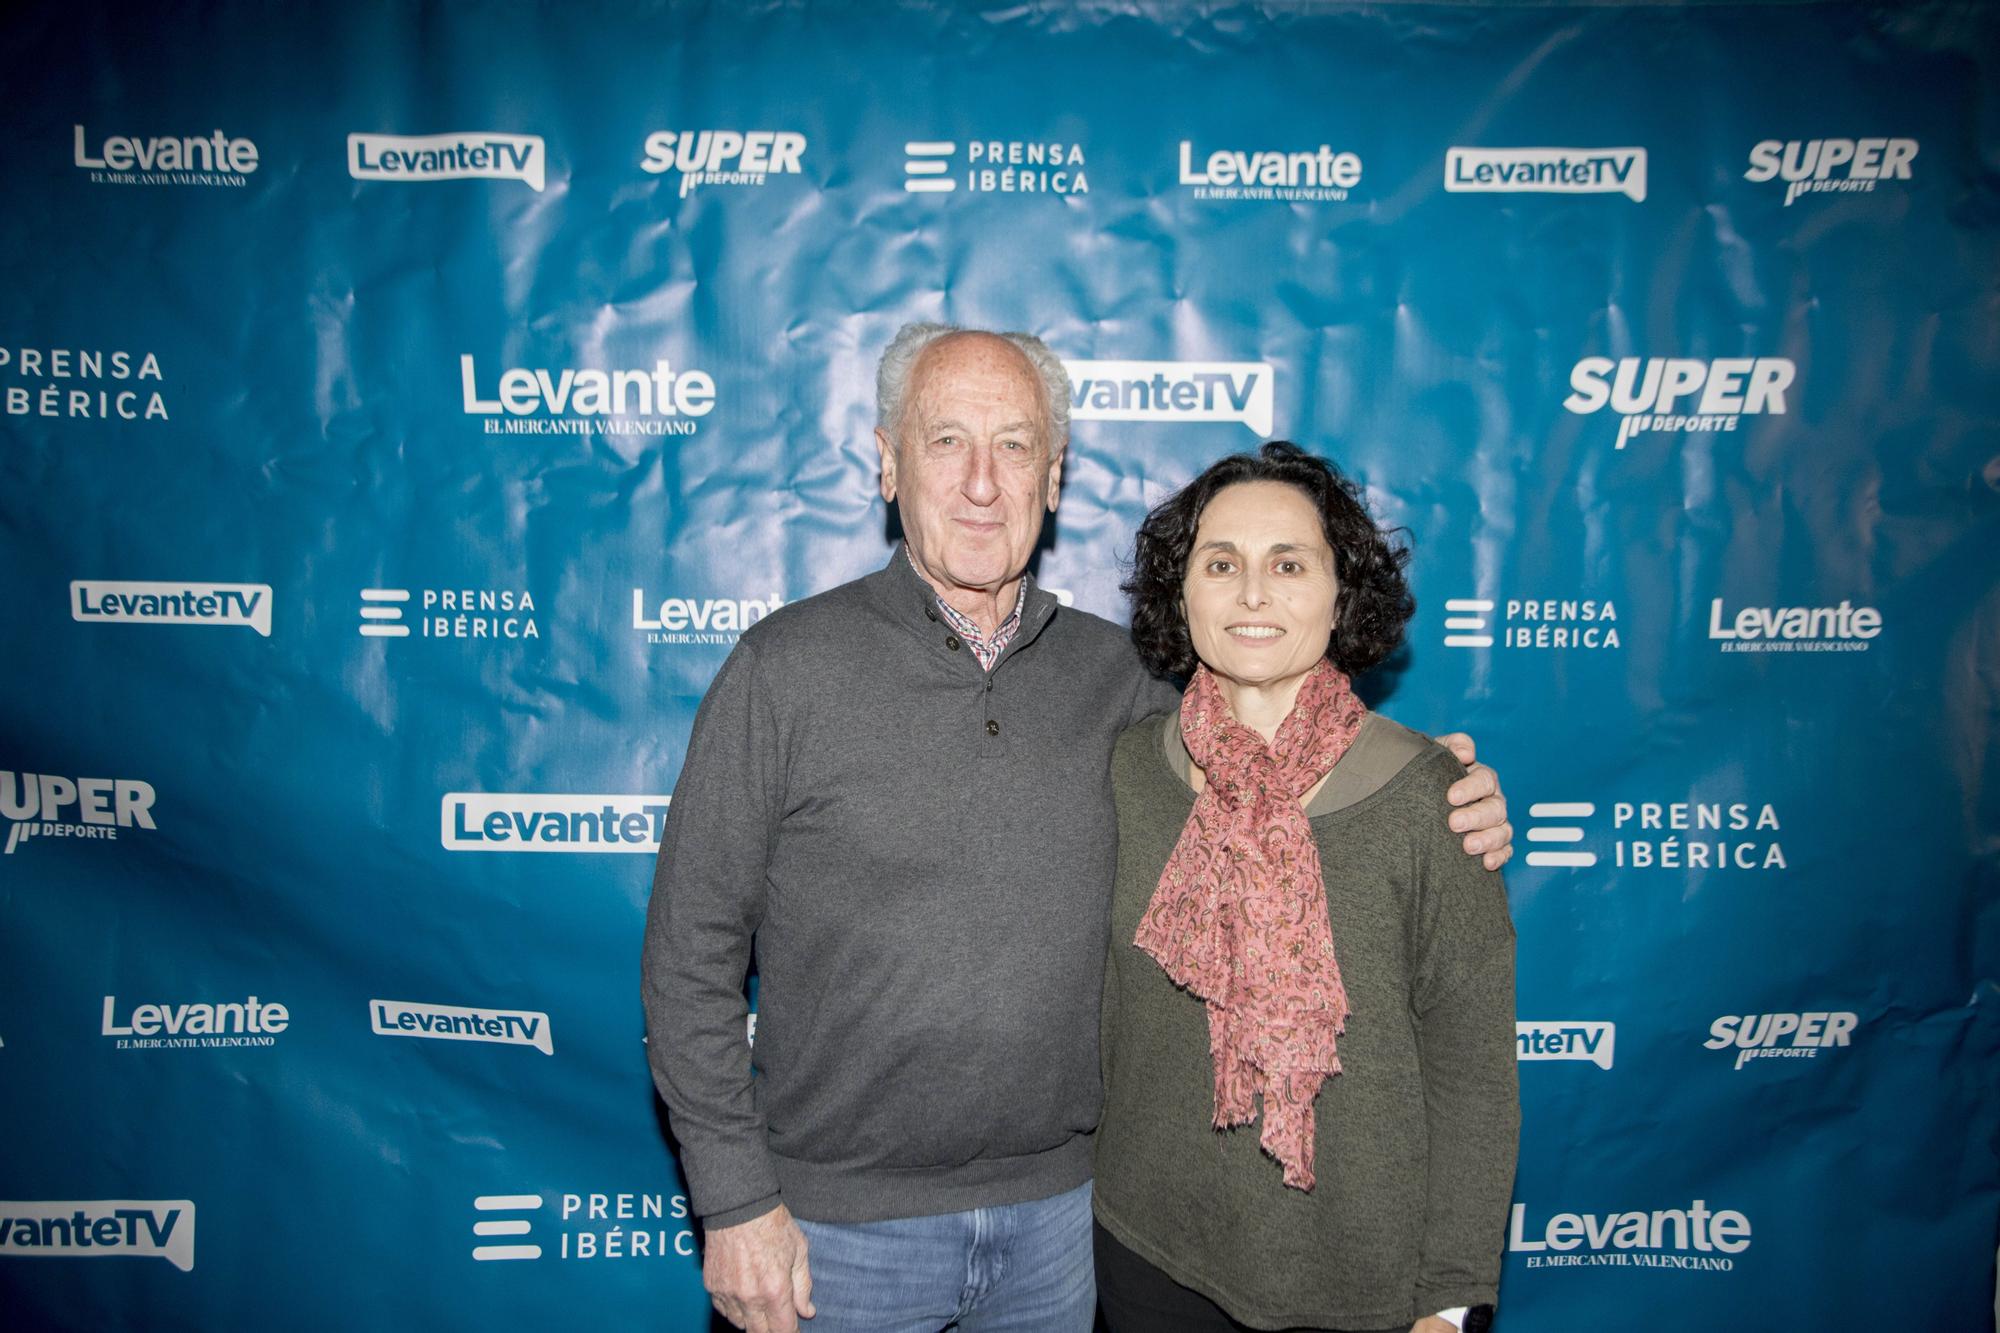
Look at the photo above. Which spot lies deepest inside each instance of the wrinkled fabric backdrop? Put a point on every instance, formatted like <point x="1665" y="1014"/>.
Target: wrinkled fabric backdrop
<point x="406" y="407"/>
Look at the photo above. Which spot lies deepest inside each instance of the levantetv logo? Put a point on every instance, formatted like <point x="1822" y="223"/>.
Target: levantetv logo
<point x="99" y="1229"/>
<point x="1318" y="174"/>
<point x="542" y="822"/>
<point x="1172" y="391"/>
<point x="215" y="159"/>
<point x="35" y="804"/>
<point x="1815" y="166"/>
<point x="1547" y="171"/>
<point x="1780" y="1036"/>
<point x="722" y="157"/>
<point x="1845" y="628"/>
<point x="481" y="154"/>
<point x="1570" y="1039"/>
<point x="1695" y="1237"/>
<point x="449" y="1022"/>
<point x="124" y="602"/>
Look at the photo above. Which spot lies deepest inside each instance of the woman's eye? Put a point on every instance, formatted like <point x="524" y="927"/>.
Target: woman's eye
<point x="1289" y="566"/>
<point x="1220" y="567"/>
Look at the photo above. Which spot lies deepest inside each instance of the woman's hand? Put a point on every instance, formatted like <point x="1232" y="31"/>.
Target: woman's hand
<point x="1433" y="1324"/>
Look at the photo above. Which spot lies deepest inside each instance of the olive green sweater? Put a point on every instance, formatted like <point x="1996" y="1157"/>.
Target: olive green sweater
<point x="1415" y="1138"/>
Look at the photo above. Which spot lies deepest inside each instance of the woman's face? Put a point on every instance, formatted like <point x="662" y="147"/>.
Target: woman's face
<point x="1260" y="592"/>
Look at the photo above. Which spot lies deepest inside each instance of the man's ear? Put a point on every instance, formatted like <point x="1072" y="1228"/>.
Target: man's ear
<point x="1055" y="477"/>
<point x="887" y="448"/>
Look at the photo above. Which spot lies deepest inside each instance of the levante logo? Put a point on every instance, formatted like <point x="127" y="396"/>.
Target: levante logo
<point x="1696" y="1238"/>
<point x="123" y="159"/>
<point x="200" y="1025"/>
<point x="1674" y="394"/>
<point x="99" y="1229"/>
<point x="478" y="154"/>
<point x="693" y="620"/>
<point x="566" y="401"/>
<point x="39" y="805"/>
<point x="1319" y="174"/>
<point x="1845" y="628"/>
<point x="83" y="382"/>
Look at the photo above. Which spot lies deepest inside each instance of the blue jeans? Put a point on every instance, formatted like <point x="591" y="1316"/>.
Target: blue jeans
<point x="1021" y="1266"/>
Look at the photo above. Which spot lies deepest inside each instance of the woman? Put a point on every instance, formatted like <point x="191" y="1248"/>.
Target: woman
<point x="1296" y="944"/>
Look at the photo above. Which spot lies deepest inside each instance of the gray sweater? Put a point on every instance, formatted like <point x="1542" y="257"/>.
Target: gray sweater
<point x="922" y="852"/>
<point x="1415" y="1138"/>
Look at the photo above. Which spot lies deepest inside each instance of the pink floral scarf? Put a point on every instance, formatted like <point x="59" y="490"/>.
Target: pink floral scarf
<point x="1240" y="917"/>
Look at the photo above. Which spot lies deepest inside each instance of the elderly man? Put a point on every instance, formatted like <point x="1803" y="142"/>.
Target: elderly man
<point x="898" y="790"/>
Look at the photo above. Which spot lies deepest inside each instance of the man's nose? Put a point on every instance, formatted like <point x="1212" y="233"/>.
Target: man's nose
<point x="981" y="485"/>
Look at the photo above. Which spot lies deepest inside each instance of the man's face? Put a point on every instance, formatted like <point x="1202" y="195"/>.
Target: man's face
<point x="974" y="469"/>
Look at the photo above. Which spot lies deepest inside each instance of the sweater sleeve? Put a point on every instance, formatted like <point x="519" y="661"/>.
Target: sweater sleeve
<point x="1463" y="1000"/>
<point x="708" y="901"/>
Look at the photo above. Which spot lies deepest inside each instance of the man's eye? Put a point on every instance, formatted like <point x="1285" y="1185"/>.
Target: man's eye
<point x="946" y="441"/>
<point x="1016" y="445"/>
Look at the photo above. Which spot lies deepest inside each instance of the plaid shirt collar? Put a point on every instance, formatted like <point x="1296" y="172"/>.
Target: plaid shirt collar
<point x="984" y="647"/>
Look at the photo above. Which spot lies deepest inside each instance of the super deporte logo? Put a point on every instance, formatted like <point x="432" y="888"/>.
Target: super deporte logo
<point x="1675" y="394"/>
<point x="99" y="1229"/>
<point x="1799" y="1036"/>
<point x="1830" y="166"/>
<point x="1170" y="391"/>
<point x="544" y="822"/>
<point x="722" y="157"/>
<point x="476" y="154"/>
<point x="122" y="159"/>
<point x="35" y="806"/>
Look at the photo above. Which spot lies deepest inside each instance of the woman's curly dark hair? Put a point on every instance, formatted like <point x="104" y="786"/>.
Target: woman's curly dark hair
<point x="1375" y="601"/>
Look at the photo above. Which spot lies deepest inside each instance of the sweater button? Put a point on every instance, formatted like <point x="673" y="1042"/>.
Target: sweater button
<point x="951" y="642"/>
<point x="992" y="727"/>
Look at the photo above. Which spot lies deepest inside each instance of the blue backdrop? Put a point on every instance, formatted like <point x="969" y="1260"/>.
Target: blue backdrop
<point x="405" y="406"/>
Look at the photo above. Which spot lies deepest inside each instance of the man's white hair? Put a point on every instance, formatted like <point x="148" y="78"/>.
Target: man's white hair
<point x="892" y="376"/>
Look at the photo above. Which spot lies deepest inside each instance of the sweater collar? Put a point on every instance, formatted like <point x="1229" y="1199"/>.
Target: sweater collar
<point x="913" y="602"/>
